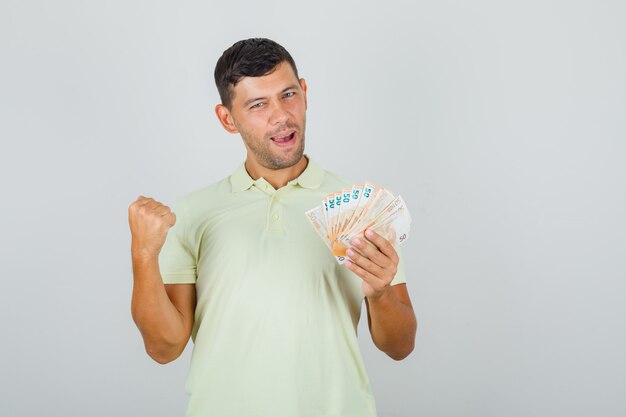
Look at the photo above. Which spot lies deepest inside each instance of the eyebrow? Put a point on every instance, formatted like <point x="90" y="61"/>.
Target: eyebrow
<point x="252" y="100"/>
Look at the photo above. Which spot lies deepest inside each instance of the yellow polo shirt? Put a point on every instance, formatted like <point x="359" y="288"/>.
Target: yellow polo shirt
<point x="275" y="329"/>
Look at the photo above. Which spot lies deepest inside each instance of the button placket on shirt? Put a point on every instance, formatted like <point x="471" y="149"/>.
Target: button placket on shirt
<point x="275" y="212"/>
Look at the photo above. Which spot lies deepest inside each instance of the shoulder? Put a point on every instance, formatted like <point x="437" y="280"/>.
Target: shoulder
<point x="333" y="182"/>
<point x="202" y="199"/>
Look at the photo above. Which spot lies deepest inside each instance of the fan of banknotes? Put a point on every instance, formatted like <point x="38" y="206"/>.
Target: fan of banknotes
<point x="346" y="214"/>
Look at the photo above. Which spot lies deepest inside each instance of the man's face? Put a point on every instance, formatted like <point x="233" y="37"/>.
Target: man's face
<point x="270" y="114"/>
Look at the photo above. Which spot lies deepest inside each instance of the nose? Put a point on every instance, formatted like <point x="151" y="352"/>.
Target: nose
<point x="279" y="114"/>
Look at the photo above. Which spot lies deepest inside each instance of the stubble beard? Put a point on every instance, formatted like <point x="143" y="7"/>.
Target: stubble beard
<point x="262" y="150"/>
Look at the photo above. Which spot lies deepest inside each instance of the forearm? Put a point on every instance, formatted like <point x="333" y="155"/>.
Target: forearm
<point x="392" y="324"/>
<point x="159" y="321"/>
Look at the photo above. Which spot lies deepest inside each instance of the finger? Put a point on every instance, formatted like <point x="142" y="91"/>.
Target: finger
<point x="163" y="210"/>
<point x="144" y="200"/>
<point x="154" y="206"/>
<point x="365" y="275"/>
<point x="371" y="252"/>
<point x="170" y="218"/>
<point x="366" y="264"/>
<point x="383" y="245"/>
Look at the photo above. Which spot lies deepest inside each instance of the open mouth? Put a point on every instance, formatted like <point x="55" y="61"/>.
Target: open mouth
<point x="285" y="139"/>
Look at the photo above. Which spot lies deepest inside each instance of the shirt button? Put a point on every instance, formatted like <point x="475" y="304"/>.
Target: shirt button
<point x="275" y="217"/>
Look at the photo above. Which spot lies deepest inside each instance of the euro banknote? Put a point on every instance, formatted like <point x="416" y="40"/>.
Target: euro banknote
<point x="347" y="213"/>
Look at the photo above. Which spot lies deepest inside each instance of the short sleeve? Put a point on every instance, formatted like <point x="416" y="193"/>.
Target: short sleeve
<point x="177" y="262"/>
<point x="400" y="277"/>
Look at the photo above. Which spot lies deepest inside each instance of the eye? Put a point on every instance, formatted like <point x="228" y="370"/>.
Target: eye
<point x="290" y="94"/>
<point x="257" y="105"/>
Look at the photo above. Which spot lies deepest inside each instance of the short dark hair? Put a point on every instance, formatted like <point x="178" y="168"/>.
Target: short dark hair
<point x="252" y="57"/>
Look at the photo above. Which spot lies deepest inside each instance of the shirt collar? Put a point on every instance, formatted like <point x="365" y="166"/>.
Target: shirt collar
<point x="311" y="177"/>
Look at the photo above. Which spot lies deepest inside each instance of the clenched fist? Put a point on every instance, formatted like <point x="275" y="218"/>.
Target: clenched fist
<point x="149" y="222"/>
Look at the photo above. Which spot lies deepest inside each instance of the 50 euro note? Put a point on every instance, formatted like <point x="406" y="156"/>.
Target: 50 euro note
<point x="346" y="214"/>
<point x="373" y="207"/>
<point x="393" y="224"/>
<point x="318" y="221"/>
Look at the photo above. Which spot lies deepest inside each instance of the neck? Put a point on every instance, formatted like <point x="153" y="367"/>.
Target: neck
<point x="276" y="177"/>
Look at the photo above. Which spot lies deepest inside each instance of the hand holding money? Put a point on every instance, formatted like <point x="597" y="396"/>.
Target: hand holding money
<point x="376" y="263"/>
<point x="361" y="225"/>
<point x="149" y="223"/>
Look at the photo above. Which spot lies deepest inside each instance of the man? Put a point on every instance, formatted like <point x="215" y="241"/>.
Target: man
<point x="272" y="315"/>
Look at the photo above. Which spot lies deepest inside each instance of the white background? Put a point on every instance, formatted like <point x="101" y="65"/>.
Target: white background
<point x="502" y="124"/>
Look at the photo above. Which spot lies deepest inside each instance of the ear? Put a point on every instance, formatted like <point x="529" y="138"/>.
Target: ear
<point x="225" y="118"/>
<point x="303" y="86"/>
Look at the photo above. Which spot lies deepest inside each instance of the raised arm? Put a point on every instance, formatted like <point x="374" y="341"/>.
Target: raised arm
<point x="163" y="313"/>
